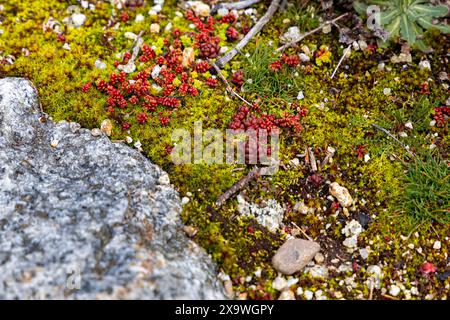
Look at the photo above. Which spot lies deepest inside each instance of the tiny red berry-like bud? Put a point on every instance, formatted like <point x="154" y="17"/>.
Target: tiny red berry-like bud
<point x="124" y="17"/>
<point x="61" y="37"/>
<point x="202" y="67"/>
<point x="142" y="117"/>
<point x="126" y="56"/>
<point x="116" y="63"/>
<point x="86" y="87"/>
<point x="211" y="82"/>
<point x="126" y="126"/>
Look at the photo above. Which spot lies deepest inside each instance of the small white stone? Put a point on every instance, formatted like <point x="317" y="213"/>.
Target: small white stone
<point x="424" y="64"/>
<point x="279" y="283"/>
<point x="394" y="290"/>
<point x="409" y="125"/>
<point x="168" y="27"/>
<point x="432" y="123"/>
<point x="155" y="28"/>
<point x="184" y="201"/>
<point x="130" y="35"/>
<point x="387" y="91"/>
<point x="304" y="57"/>
<point x="78" y="19"/>
<point x="364" y="254"/>
<point x="308" y="295"/>
<point x="366" y="157"/>
<point x="257" y="273"/>
<point x="326" y="29"/>
<point x="437" y="245"/>
<point x="96" y="132"/>
<point x="362" y="45"/>
<point x="222" y="12"/>
<point x="156" y="8"/>
<point x="100" y="64"/>
<point x="287" y="295"/>
<point x="299" y="291"/>
<point x="300" y="96"/>
<point x="128" y="139"/>
<point x="139" y="18"/>
<point x="66" y="46"/>
<point x="164" y="179"/>
<point x="402" y="134"/>
<point x="54" y="143"/>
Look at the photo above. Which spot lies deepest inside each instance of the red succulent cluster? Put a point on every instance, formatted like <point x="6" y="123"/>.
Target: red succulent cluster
<point x="441" y="115"/>
<point x="238" y="78"/>
<point x="247" y="118"/>
<point x="292" y="60"/>
<point x="211" y="82"/>
<point x="361" y="151"/>
<point x="232" y="34"/>
<point x="228" y="18"/>
<point x="206" y="41"/>
<point x="424" y="88"/>
<point x="86" y="87"/>
<point x="276" y="66"/>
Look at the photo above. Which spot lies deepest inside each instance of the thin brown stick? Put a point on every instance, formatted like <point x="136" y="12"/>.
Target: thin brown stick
<point x="228" y="86"/>
<point x="237" y="186"/>
<point x="302" y="231"/>
<point x="306" y="34"/>
<point x="253" y="32"/>
<point x="394" y="138"/>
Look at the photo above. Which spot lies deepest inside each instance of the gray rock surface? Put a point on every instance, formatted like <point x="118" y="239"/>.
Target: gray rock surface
<point x="294" y="255"/>
<point x="82" y="217"/>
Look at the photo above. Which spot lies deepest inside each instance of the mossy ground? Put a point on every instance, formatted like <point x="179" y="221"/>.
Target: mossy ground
<point x="341" y="111"/>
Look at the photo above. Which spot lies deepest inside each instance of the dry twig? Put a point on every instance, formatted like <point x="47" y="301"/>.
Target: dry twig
<point x="237" y="186"/>
<point x="253" y="32"/>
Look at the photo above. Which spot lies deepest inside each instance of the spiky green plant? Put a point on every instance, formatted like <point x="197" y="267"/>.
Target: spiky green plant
<point x="427" y="193"/>
<point x="407" y="18"/>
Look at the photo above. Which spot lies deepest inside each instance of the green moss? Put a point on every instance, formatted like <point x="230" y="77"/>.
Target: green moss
<point x="341" y="111"/>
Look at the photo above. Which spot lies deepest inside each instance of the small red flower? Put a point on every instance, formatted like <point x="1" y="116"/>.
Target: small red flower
<point x="86" y="87"/>
<point x="250" y="229"/>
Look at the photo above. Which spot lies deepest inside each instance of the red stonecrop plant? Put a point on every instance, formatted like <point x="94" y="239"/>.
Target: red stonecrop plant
<point x="159" y="86"/>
